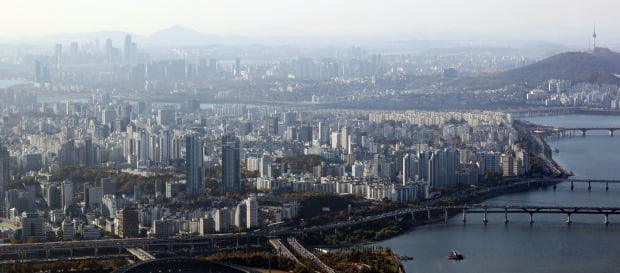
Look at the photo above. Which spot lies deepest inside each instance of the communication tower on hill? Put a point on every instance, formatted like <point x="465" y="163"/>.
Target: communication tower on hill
<point x="594" y="36"/>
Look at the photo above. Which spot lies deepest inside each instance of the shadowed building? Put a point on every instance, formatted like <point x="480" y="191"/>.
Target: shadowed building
<point x="231" y="164"/>
<point x="193" y="163"/>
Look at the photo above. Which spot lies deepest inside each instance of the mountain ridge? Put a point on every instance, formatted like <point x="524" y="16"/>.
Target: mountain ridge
<point x="600" y="65"/>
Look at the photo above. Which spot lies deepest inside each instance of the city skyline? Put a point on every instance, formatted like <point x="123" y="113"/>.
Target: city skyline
<point x="548" y="20"/>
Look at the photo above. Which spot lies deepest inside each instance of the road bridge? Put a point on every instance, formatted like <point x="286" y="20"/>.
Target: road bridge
<point x="282" y="250"/>
<point x="564" y="130"/>
<point x="554" y="181"/>
<point x="141" y="254"/>
<point x="303" y="252"/>
<point x="531" y="210"/>
<point x="91" y="247"/>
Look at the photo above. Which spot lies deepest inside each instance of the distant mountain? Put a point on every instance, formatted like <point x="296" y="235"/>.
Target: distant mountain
<point x="600" y="65"/>
<point x="178" y="35"/>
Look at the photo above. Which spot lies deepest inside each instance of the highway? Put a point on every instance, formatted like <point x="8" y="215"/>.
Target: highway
<point x="208" y="240"/>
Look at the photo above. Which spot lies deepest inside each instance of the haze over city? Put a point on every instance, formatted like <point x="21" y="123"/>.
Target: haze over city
<point x="309" y="136"/>
<point x="555" y="21"/>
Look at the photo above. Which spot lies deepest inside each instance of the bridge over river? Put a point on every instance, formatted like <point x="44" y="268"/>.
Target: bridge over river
<point x="46" y="250"/>
<point x="565" y="130"/>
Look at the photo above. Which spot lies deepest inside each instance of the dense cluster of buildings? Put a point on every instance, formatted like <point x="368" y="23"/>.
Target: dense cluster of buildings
<point x="400" y="156"/>
<point x="565" y="93"/>
<point x="148" y="118"/>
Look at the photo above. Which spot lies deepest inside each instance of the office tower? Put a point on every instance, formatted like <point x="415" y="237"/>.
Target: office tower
<point x="108" y="117"/>
<point x="58" y="56"/>
<point x="251" y="208"/>
<point x="86" y="152"/>
<point x="508" y="165"/>
<point x="68" y="154"/>
<point x="73" y="49"/>
<point x="212" y="70"/>
<point x="323" y="133"/>
<point x="95" y="194"/>
<point x="37" y="71"/>
<point x="127" y="48"/>
<point x="290" y="118"/>
<point x="223" y="219"/>
<point x="336" y="138"/>
<point x="344" y="137"/>
<point x="67" y="194"/>
<point x="406" y="168"/>
<point x="193" y="163"/>
<point x="357" y="169"/>
<point x="424" y="165"/>
<point x="109" y="206"/>
<point x="4" y="178"/>
<point x="453" y="161"/>
<point x="172" y="188"/>
<point x="241" y="212"/>
<point x="231" y="165"/>
<point x="137" y="192"/>
<point x="32" y="226"/>
<point x="272" y="125"/>
<point x="162" y="228"/>
<point x="237" y="67"/>
<point x="165" y="145"/>
<point x="166" y="116"/>
<point x="127" y="223"/>
<point x="108" y="186"/>
<point x="206" y="226"/>
<point x="142" y="145"/>
<point x="68" y="230"/>
<point x="443" y="168"/>
<point x="53" y="196"/>
<point x="109" y="49"/>
<point x="305" y="133"/>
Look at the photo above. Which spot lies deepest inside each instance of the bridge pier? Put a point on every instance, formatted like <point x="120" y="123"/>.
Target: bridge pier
<point x="555" y="186"/>
<point x="412" y="216"/>
<point x="47" y="253"/>
<point x="445" y="216"/>
<point x="505" y="215"/>
<point x="611" y="132"/>
<point x="589" y="186"/>
<point x="606" y="222"/>
<point x="568" y="221"/>
<point x="606" y="186"/>
<point x="428" y="214"/>
<point x="531" y="217"/>
<point x="583" y="133"/>
<point x="464" y="216"/>
<point x="71" y="253"/>
<point x="571" y="185"/>
<point x="96" y="250"/>
<point x="484" y="218"/>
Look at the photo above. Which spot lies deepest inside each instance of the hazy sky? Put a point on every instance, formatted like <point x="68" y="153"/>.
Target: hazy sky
<point x="527" y="18"/>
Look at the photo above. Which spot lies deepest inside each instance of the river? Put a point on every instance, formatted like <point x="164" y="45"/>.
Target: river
<point x="548" y="244"/>
<point x="5" y="83"/>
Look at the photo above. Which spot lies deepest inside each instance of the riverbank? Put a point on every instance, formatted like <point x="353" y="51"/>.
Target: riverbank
<point x="540" y="152"/>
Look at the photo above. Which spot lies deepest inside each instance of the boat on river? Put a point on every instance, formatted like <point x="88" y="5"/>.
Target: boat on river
<point x="455" y="255"/>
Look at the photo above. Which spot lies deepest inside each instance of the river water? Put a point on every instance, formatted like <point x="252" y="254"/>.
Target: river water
<point x="547" y="245"/>
<point x="4" y="83"/>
